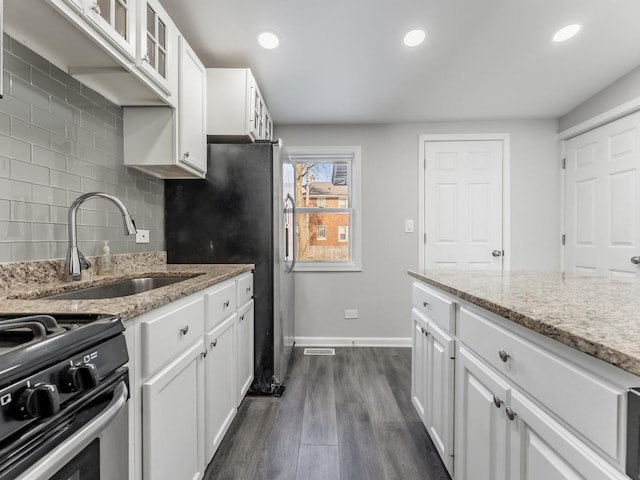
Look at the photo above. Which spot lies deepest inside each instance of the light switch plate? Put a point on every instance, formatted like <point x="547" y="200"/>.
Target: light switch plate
<point x="408" y="226"/>
<point x="142" y="236"/>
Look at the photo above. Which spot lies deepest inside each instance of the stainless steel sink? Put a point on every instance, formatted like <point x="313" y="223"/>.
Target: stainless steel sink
<point x="123" y="288"/>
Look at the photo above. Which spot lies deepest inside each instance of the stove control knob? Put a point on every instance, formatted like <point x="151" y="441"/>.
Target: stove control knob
<point x="38" y="401"/>
<point x="79" y="378"/>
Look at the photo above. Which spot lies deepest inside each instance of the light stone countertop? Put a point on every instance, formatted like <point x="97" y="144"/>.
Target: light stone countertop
<point x="21" y="284"/>
<point x="594" y="315"/>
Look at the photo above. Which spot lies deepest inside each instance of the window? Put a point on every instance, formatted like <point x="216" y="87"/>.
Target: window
<point x="327" y="195"/>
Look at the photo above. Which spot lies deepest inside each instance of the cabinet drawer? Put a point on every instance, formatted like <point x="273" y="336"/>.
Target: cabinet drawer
<point x="245" y="289"/>
<point x="586" y="402"/>
<point x="220" y="303"/>
<point x="170" y="333"/>
<point x="437" y="307"/>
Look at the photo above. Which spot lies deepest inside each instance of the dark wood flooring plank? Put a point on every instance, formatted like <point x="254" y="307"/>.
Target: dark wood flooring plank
<point x="397" y="370"/>
<point x="359" y="455"/>
<point x="379" y="399"/>
<point x="345" y="376"/>
<point x="318" y="462"/>
<point x="319" y="425"/>
<point x="240" y="452"/>
<point x="398" y="455"/>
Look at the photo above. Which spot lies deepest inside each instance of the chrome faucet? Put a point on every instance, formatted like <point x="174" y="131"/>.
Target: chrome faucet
<point x="76" y="261"/>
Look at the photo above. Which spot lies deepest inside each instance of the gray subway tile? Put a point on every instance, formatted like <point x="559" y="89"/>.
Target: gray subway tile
<point x="49" y="195"/>
<point x="30" y="251"/>
<point x="48" y="121"/>
<point x="62" y="109"/>
<point x="63" y="145"/>
<point x="64" y="78"/>
<point x="5" y="210"/>
<point x="5" y="124"/>
<point x="5" y="252"/>
<point x="17" y="67"/>
<point x="105" y="175"/>
<point x="60" y="214"/>
<point x="16" y="231"/>
<point x="89" y="154"/>
<point x="15" y="107"/>
<point x="91" y="185"/>
<point x="94" y="217"/>
<point x="29" y="212"/>
<point x="29" y="56"/>
<point x="90" y="122"/>
<point x="50" y="85"/>
<point x="49" y="232"/>
<point x="13" y="190"/>
<point x="102" y="114"/>
<point x="29" y="133"/>
<point x="80" y="167"/>
<point x="108" y="233"/>
<point x="28" y="93"/>
<point x="80" y="101"/>
<point x="92" y="95"/>
<point x="86" y="233"/>
<point x="59" y="249"/>
<point x="65" y="181"/>
<point x="49" y="158"/>
<point x="5" y="167"/>
<point x="28" y="172"/>
<point x="79" y="134"/>
<point x="14" y="148"/>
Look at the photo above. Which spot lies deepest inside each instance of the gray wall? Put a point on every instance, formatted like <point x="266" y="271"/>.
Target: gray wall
<point x="621" y="91"/>
<point x="59" y="139"/>
<point x="381" y="292"/>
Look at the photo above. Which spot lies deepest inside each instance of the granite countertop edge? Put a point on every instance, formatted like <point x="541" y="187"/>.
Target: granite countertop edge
<point x="23" y="299"/>
<point x="570" y="335"/>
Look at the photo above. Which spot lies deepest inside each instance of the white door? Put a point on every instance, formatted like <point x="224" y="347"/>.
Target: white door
<point x="463" y="204"/>
<point x="601" y="200"/>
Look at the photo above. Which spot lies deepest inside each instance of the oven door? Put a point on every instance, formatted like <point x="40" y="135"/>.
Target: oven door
<point x="90" y="442"/>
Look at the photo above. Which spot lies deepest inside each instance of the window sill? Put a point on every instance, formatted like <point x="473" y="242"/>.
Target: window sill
<point x="328" y="267"/>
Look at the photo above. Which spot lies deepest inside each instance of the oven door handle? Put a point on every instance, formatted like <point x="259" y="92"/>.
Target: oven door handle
<point x="63" y="453"/>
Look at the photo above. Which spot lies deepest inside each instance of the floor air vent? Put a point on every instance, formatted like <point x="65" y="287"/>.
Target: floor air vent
<point x="319" y="351"/>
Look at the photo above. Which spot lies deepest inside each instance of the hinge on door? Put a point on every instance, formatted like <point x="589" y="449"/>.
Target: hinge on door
<point x="425" y="163"/>
<point x="425" y="238"/>
<point x="564" y="163"/>
<point x="564" y="239"/>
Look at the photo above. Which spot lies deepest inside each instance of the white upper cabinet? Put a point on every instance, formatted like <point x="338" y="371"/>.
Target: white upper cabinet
<point x="157" y="45"/>
<point x="236" y="110"/>
<point x="192" y="115"/>
<point x="115" y="19"/>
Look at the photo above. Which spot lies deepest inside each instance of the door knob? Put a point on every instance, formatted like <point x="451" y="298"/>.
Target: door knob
<point x="497" y="253"/>
<point x="635" y="260"/>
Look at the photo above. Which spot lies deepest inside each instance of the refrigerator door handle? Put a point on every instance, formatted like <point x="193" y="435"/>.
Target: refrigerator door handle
<point x="292" y="227"/>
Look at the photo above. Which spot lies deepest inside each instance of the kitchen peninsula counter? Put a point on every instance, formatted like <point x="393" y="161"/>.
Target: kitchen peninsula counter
<point x="594" y="315"/>
<point x="22" y="284"/>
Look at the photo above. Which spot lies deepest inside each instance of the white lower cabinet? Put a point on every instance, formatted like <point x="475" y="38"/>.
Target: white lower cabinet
<point x="221" y="379"/>
<point x="481" y="422"/>
<point x="526" y="407"/>
<point x="245" y="350"/>
<point x="173" y="419"/>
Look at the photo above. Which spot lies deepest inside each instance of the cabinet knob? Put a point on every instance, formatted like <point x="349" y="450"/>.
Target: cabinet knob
<point x="184" y="329"/>
<point x="635" y="260"/>
<point x="204" y="354"/>
<point x="241" y="317"/>
<point x="425" y="304"/>
<point x="214" y="343"/>
<point x="248" y="289"/>
<point x="497" y="401"/>
<point x="510" y="413"/>
<point x="226" y="304"/>
<point x="504" y="356"/>
<point x="96" y="8"/>
<point x="496" y="253"/>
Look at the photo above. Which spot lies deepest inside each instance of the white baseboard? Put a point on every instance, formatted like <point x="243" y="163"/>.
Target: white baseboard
<point x="353" y="342"/>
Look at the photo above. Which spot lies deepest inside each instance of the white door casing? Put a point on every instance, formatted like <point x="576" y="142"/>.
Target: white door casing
<point x="464" y="202"/>
<point x="601" y="200"/>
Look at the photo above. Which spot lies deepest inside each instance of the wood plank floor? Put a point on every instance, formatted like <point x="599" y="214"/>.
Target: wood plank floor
<point x="347" y="417"/>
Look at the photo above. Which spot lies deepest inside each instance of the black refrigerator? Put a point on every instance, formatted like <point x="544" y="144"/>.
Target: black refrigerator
<point x="244" y="212"/>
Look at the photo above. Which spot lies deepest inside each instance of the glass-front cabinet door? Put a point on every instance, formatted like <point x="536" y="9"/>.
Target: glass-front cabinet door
<point x="115" y="20"/>
<point x="157" y="37"/>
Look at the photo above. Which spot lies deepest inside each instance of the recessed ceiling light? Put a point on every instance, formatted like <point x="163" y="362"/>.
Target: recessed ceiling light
<point x="414" y="37"/>
<point x="565" y="33"/>
<point x="268" y="40"/>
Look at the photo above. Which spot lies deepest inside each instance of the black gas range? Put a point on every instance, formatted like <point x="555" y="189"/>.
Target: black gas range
<point x="58" y="372"/>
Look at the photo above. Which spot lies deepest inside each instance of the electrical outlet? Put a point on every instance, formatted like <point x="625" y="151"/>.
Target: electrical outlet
<point x="142" y="236"/>
<point x="408" y="226"/>
<point x="350" y="314"/>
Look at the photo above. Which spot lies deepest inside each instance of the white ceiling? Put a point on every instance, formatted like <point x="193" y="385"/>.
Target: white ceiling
<point x="343" y="61"/>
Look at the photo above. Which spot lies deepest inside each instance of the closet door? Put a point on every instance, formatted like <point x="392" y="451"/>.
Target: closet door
<point x="602" y="186"/>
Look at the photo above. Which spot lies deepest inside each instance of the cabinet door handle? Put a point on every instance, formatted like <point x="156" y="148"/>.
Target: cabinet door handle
<point x="184" y="329"/>
<point x="510" y="413"/>
<point x="248" y="290"/>
<point x="204" y="354"/>
<point x="504" y="356"/>
<point x="241" y="317"/>
<point x="146" y="58"/>
<point x="186" y="154"/>
<point x="425" y="304"/>
<point x="226" y="304"/>
<point x="96" y="8"/>
<point x="214" y="343"/>
<point x="496" y="400"/>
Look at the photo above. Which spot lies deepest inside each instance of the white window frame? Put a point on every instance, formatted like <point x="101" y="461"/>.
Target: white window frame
<point x="353" y="155"/>
<point x="342" y="202"/>
<point x="321" y="202"/>
<point x="324" y="232"/>
<point x="346" y="233"/>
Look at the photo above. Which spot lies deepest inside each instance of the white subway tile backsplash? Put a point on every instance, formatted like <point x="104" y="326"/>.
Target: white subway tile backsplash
<point x="58" y="140"/>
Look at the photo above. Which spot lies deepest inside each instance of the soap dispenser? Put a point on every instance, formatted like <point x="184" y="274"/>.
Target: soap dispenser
<point x="105" y="263"/>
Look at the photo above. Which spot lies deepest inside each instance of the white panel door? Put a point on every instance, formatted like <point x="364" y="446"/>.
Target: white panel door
<point x="601" y="198"/>
<point x="463" y="204"/>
